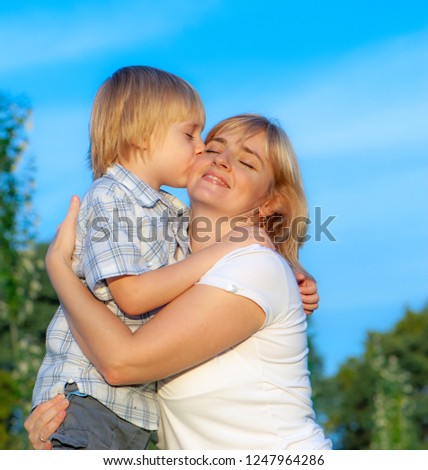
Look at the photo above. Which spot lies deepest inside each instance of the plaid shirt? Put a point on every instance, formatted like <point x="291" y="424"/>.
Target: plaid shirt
<point x="124" y="227"/>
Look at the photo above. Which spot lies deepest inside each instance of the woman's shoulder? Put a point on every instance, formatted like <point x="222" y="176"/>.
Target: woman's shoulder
<point x="259" y="259"/>
<point x="253" y="267"/>
<point x="258" y="273"/>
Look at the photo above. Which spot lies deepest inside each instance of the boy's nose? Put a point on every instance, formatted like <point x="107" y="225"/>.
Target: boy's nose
<point x="199" y="147"/>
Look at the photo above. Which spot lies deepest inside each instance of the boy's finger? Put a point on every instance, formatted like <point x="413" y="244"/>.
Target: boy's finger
<point x="310" y="299"/>
<point x="310" y="311"/>
<point x="308" y="289"/>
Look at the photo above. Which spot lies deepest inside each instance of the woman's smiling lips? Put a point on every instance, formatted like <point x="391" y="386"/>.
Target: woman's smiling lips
<point x="215" y="179"/>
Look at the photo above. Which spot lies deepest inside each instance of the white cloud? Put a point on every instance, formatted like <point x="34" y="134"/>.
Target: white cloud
<point x="373" y="204"/>
<point x="375" y="98"/>
<point x="41" y="35"/>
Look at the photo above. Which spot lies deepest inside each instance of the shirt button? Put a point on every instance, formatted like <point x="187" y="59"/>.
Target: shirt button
<point x="232" y="288"/>
<point x="149" y="263"/>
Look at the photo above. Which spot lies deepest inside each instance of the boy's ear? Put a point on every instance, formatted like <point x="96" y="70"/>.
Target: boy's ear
<point x="142" y="144"/>
<point x="145" y="144"/>
<point x="269" y="207"/>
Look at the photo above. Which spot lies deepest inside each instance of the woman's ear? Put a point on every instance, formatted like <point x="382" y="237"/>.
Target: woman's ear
<point x="271" y="206"/>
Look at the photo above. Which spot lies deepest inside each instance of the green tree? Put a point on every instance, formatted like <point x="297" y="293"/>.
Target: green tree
<point x="380" y="401"/>
<point x="393" y="425"/>
<point x="9" y="398"/>
<point x="45" y="301"/>
<point x="18" y="283"/>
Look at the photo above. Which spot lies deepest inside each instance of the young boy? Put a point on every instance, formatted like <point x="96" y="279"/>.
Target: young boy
<point x="145" y="132"/>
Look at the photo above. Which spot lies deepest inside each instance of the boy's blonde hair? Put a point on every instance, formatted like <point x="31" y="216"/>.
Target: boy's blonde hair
<point x="287" y="225"/>
<point x="132" y="107"/>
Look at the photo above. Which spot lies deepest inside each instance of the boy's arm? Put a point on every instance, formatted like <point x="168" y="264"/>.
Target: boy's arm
<point x="115" y="254"/>
<point x="139" y="294"/>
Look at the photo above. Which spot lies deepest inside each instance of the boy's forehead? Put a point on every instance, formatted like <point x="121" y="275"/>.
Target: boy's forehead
<point x="195" y="116"/>
<point x="193" y="123"/>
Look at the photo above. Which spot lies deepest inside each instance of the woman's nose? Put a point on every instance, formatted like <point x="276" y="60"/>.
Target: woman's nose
<point x="222" y="159"/>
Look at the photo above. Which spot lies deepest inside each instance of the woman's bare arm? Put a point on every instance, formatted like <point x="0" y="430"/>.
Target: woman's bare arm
<point x="196" y="326"/>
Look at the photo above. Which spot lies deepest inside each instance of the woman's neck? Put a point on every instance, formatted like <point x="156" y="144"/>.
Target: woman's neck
<point x="205" y="231"/>
<point x="208" y="226"/>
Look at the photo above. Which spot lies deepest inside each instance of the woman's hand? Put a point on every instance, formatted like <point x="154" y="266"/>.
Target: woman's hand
<point x="62" y="246"/>
<point x="309" y="293"/>
<point x="44" y="421"/>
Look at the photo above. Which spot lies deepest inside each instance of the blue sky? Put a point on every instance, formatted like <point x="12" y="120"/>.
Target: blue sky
<point x="348" y="81"/>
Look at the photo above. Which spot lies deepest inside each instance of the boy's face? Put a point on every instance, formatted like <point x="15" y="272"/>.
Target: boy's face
<point x="174" y="156"/>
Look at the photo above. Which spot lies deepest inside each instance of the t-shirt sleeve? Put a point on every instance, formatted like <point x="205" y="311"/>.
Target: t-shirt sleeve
<point x="256" y="273"/>
<point x="114" y="245"/>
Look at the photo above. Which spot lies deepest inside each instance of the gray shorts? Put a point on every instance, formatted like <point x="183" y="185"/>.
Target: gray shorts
<point x="89" y="425"/>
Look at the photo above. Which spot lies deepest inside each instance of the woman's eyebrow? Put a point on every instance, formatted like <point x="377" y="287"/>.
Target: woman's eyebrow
<point x="218" y="139"/>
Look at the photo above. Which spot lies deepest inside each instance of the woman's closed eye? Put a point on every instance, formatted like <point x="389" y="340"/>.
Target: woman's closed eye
<point x="248" y="165"/>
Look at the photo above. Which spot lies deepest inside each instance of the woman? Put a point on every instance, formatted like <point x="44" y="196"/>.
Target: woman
<point x="231" y="352"/>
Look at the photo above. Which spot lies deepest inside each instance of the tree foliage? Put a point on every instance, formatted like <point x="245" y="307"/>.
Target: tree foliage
<point x="380" y="401"/>
<point x="18" y="281"/>
<point x="15" y="400"/>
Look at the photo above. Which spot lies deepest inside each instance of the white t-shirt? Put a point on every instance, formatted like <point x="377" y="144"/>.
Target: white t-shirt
<point x="256" y="395"/>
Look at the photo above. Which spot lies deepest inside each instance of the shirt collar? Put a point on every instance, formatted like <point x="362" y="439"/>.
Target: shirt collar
<point x="176" y="204"/>
<point x="144" y="193"/>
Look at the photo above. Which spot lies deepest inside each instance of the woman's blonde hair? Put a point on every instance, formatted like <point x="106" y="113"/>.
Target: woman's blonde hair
<point x="132" y="107"/>
<point x="287" y="225"/>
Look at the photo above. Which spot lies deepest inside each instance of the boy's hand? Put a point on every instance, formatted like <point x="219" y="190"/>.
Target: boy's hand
<point x="62" y="246"/>
<point x="309" y="293"/>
